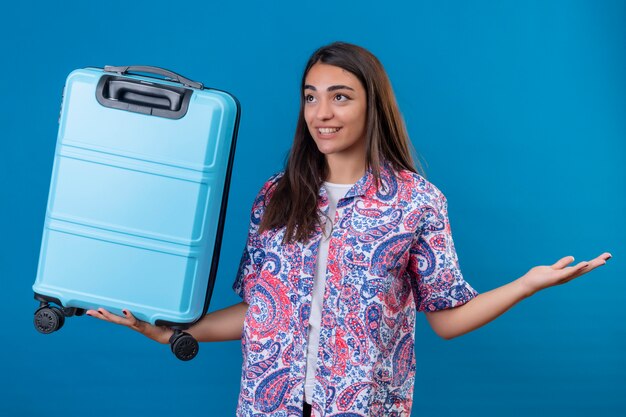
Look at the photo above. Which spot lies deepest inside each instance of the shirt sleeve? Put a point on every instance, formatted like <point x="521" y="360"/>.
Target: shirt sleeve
<point x="436" y="278"/>
<point x="253" y="252"/>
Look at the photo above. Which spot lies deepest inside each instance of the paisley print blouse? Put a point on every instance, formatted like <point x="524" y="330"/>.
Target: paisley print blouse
<point x="391" y="254"/>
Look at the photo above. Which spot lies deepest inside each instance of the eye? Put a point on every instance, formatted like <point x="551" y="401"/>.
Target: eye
<point x="342" y="97"/>
<point x="308" y="98"/>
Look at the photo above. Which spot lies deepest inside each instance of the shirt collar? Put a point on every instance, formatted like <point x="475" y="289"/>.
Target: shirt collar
<point x="367" y="183"/>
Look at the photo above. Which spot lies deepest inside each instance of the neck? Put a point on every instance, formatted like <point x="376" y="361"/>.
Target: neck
<point x="344" y="170"/>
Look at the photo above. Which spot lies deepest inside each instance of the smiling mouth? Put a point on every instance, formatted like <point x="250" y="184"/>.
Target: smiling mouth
<point x="328" y="130"/>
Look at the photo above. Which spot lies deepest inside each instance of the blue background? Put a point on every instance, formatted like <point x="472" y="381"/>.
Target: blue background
<point x="517" y="110"/>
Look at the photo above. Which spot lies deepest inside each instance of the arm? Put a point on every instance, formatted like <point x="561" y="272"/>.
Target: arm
<point x="220" y="325"/>
<point x="486" y="307"/>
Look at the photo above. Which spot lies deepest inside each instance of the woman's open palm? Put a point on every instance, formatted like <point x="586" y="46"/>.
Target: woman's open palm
<point x="159" y="333"/>
<point x="541" y="277"/>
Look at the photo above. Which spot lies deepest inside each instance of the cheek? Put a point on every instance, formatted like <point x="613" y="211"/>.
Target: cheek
<point x="309" y="123"/>
<point x="309" y="126"/>
<point x="357" y="121"/>
<point x="308" y="115"/>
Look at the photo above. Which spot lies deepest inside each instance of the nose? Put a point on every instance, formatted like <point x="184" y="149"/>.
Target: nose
<point x="324" y="110"/>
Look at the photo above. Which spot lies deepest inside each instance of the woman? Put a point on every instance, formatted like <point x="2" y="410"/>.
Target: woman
<point x="344" y="247"/>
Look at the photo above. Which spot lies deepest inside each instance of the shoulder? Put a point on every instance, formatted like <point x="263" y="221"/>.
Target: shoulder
<point x="425" y="202"/>
<point x="419" y="190"/>
<point x="262" y="198"/>
<point x="270" y="183"/>
<point x="267" y="189"/>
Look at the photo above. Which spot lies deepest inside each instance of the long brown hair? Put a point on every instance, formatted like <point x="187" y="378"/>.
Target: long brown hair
<point x="293" y="201"/>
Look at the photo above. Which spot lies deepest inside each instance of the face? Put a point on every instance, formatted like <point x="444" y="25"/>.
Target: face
<point x="335" y="105"/>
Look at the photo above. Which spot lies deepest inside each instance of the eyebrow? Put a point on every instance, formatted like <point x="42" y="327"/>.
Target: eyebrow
<point x="331" y="88"/>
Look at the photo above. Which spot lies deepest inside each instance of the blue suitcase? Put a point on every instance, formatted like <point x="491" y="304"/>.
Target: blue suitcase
<point x="137" y="199"/>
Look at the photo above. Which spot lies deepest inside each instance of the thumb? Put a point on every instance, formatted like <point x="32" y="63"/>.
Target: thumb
<point x="563" y="262"/>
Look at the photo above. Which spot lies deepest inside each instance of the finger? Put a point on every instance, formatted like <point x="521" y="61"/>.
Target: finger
<point x="91" y="313"/>
<point x="584" y="267"/>
<point x="95" y="314"/>
<point x="603" y="258"/>
<point x="563" y="262"/>
<point x="112" y="317"/>
<point x="581" y="266"/>
<point x="599" y="261"/>
<point x="594" y="263"/>
<point x="567" y="273"/>
<point x="132" y="320"/>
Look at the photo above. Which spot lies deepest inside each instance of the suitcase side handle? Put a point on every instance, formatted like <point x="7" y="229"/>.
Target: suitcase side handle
<point x="172" y="76"/>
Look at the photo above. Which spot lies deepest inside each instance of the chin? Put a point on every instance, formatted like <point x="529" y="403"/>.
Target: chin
<point x="328" y="150"/>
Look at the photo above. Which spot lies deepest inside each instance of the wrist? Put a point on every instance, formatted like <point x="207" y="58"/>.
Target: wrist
<point x="525" y="289"/>
<point x="159" y="334"/>
<point x="165" y="335"/>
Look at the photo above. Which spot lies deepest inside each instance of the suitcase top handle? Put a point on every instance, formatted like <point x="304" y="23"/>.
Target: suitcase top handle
<point x="172" y="76"/>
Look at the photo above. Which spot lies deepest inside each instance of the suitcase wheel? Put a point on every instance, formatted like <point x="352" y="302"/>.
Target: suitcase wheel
<point x="49" y="319"/>
<point x="183" y="345"/>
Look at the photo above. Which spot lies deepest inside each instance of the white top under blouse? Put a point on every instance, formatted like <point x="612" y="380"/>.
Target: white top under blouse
<point x="335" y="193"/>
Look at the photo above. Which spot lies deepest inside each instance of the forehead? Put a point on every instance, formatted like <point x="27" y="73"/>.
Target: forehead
<point x="323" y="75"/>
